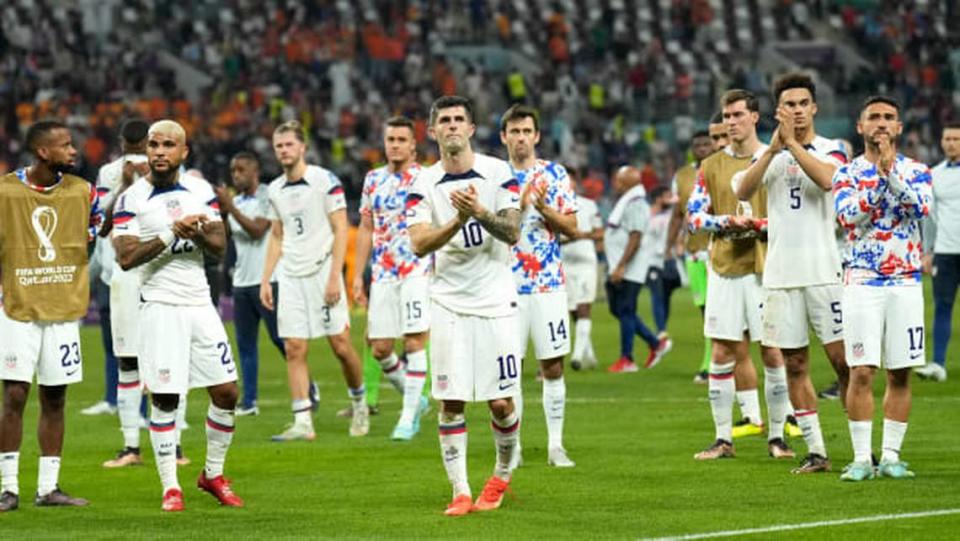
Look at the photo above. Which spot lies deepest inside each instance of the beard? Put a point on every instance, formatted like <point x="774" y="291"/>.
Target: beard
<point x="164" y="178"/>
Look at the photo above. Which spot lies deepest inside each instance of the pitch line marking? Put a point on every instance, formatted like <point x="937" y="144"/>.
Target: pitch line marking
<point x="806" y="525"/>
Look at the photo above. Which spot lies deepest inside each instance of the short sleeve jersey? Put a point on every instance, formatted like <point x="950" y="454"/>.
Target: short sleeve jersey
<point x="472" y="271"/>
<point x="801" y="248"/>
<point x="303" y="206"/>
<point x="383" y="200"/>
<point x="537" y="267"/>
<point x="175" y="276"/>
<point x="584" y="251"/>
<point x="635" y="218"/>
<point x="251" y="252"/>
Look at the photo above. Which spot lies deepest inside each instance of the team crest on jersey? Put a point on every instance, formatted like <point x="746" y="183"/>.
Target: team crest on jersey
<point x="174" y="210"/>
<point x="10" y="361"/>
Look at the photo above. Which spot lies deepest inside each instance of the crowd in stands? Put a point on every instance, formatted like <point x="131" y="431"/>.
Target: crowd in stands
<point x="602" y="72"/>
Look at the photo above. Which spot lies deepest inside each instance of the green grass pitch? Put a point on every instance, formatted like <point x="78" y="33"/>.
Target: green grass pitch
<point x="633" y="437"/>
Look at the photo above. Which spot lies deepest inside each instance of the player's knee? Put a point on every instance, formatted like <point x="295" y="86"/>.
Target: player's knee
<point x="414" y="342"/>
<point x="861" y="376"/>
<point x="552" y="369"/>
<point x="296" y="350"/>
<point x="166" y="402"/>
<point x="501" y="407"/>
<point x="15" y="395"/>
<point x="899" y="379"/>
<point x="53" y="398"/>
<point x="381" y="348"/>
<point x="451" y="412"/>
<point x="796" y="364"/>
<point x="341" y="346"/>
<point x="225" y="396"/>
<point x="128" y="364"/>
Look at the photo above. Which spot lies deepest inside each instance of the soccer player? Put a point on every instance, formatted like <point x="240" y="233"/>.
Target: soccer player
<point x="133" y="162"/>
<point x="399" y="304"/>
<point x="718" y="132"/>
<point x="941" y="242"/>
<point x="115" y="178"/>
<point x="695" y="247"/>
<point x="579" y="255"/>
<point x="662" y="277"/>
<point x="627" y="270"/>
<point x="466" y="208"/>
<point x="162" y="226"/>
<point x="46" y="291"/>
<point x="881" y="199"/>
<point x="735" y="294"/>
<point x="309" y="228"/>
<point x="801" y="276"/>
<point x="548" y="207"/>
<point x="247" y="226"/>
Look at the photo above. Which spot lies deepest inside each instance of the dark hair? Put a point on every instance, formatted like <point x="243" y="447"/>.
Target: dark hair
<point x="794" y="80"/>
<point x="733" y="96"/>
<point x="39" y="130"/>
<point x="447" y="102"/>
<point x="892" y="102"/>
<point x="517" y="112"/>
<point x="291" y="126"/>
<point x="717" y="118"/>
<point x="248" y="156"/>
<point x="399" y="122"/>
<point x="699" y="133"/>
<point x="657" y="192"/>
<point x="951" y="125"/>
<point x="134" y="131"/>
<point x="572" y="172"/>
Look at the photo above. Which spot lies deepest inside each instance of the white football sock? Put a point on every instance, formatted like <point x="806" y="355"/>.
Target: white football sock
<point x="749" y="401"/>
<point x="220" y="424"/>
<point x="778" y="400"/>
<point x="809" y="423"/>
<point x="414" y="379"/>
<point x="861" y="433"/>
<point x="453" y="451"/>
<point x="357" y="396"/>
<point x="9" y="471"/>
<point x="393" y="370"/>
<point x="302" y="413"/>
<point x="722" y="390"/>
<point x="181" y="415"/>
<point x="129" y="396"/>
<point x="163" y="437"/>
<point x="48" y="474"/>
<point x="506" y="436"/>
<point x="554" y="404"/>
<point x="893" y="433"/>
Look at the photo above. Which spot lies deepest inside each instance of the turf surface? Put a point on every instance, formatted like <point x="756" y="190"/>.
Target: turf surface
<point x="632" y="435"/>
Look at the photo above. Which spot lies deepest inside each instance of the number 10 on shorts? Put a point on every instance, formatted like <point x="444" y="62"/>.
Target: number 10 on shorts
<point x="508" y="366"/>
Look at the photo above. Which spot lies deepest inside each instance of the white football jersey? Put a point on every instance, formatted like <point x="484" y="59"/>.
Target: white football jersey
<point x="801" y="222"/>
<point x="176" y="275"/>
<point x="583" y="252"/>
<point x="251" y="252"/>
<point x="472" y="271"/>
<point x="302" y="206"/>
<point x="108" y="183"/>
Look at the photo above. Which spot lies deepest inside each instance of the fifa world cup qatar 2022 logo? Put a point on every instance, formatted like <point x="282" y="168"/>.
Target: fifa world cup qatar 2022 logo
<point x="44" y="222"/>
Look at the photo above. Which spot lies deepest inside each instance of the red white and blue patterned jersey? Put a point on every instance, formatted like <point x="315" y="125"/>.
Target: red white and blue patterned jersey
<point x="383" y="200"/>
<point x="882" y="220"/>
<point x="537" y="267"/>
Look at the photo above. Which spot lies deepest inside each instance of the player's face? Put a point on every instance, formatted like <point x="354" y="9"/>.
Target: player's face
<point x="521" y="137"/>
<point x="452" y="129"/>
<point x="950" y="142"/>
<point x="58" y="151"/>
<point x="165" y="153"/>
<point x="799" y="103"/>
<point x="399" y="144"/>
<point x="718" y="136"/>
<point x="288" y="149"/>
<point x="701" y="147"/>
<point x="243" y="173"/>
<point x="741" y="122"/>
<point x="879" y="119"/>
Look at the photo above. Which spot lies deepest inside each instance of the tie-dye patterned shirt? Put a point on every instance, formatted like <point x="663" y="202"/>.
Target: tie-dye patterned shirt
<point x="882" y="220"/>
<point x="537" y="267"/>
<point x="383" y="199"/>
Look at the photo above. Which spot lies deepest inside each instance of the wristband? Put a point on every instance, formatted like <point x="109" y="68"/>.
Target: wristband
<point x="167" y="237"/>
